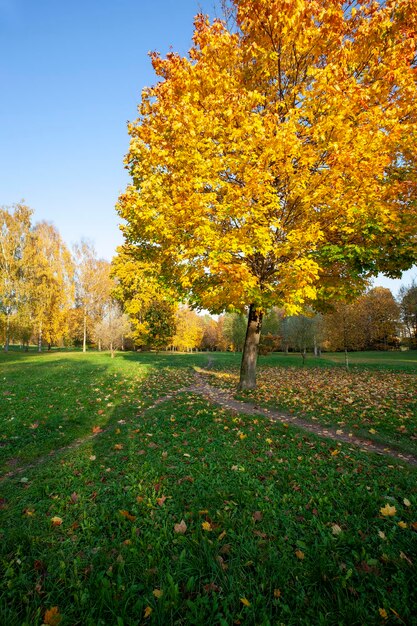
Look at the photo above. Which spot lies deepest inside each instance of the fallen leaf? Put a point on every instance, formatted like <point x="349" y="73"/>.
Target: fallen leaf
<point x="299" y="554"/>
<point x="147" y="612"/>
<point x="158" y="593"/>
<point x="407" y="502"/>
<point x="56" y="521"/>
<point x="206" y="526"/>
<point x="52" y="616"/>
<point x="245" y="601"/>
<point x="118" y="446"/>
<point x="180" y="528"/>
<point x="336" y="530"/>
<point x="160" y="501"/>
<point x="388" y="510"/>
<point x="127" y="515"/>
<point x="277" y="593"/>
<point x="257" y="516"/>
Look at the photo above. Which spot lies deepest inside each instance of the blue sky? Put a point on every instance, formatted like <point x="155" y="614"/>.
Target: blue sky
<point x="71" y="75"/>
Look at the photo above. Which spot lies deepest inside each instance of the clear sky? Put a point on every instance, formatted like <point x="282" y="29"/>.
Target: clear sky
<point x="71" y="75"/>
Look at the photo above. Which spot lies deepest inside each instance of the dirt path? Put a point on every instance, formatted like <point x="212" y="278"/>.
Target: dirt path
<point x="225" y="399"/>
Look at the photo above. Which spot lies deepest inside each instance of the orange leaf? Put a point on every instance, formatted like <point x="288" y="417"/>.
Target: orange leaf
<point x="52" y="616"/>
<point x="56" y="521"/>
<point x="127" y="515"/>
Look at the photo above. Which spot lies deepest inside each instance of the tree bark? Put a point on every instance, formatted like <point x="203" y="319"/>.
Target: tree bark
<point x="85" y="332"/>
<point x="7" y="340"/>
<point x="40" y="338"/>
<point x="250" y="349"/>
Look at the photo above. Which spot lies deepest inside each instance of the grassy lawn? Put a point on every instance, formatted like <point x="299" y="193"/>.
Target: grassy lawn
<point x="375" y="399"/>
<point x="183" y="513"/>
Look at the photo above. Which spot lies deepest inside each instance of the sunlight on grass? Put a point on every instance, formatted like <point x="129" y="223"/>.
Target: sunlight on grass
<point x="181" y="512"/>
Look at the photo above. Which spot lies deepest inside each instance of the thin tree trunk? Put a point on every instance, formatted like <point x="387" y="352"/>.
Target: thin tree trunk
<point x="346" y="360"/>
<point x="111" y="350"/>
<point x="250" y="349"/>
<point x="7" y="339"/>
<point x="40" y="338"/>
<point x="85" y="332"/>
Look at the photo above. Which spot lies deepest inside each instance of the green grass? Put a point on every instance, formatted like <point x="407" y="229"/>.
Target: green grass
<point x="254" y="496"/>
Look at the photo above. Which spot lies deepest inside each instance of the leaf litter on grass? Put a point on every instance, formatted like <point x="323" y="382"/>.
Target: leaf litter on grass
<point x="285" y="498"/>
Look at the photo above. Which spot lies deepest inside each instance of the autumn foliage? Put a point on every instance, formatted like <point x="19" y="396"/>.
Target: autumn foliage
<point x="275" y="165"/>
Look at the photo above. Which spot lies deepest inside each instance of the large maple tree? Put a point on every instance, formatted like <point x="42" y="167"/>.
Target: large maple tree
<point x="275" y="165"/>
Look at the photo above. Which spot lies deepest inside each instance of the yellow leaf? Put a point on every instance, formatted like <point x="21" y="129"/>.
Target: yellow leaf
<point x="245" y="601"/>
<point x="383" y="613"/>
<point x="407" y="502"/>
<point x="335" y="452"/>
<point x="388" y="511"/>
<point x="147" y="612"/>
<point x="402" y="524"/>
<point x="158" y="593"/>
<point x="206" y="526"/>
<point x="299" y="554"/>
<point x="56" y="521"/>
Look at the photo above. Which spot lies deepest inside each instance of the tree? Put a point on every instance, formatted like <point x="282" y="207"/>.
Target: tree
<point x="234" y="329"/>
<point x="298" y="332"/>
<point x="50" y="282"/>
<point x="188" y="330"/>
<point x="93" y="285"/>
<point x="151" y="314"/>
<point x="408" y="311"/>
<point x="15" y="223"/>
<point x="274" y="165"/>
<point x="379" y="315"/>
<point x="344" y="330"/>
<point x="111" y="330"/>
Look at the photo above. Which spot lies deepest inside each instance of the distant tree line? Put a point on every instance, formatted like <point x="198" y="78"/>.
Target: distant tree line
<point x="51" y="296"/>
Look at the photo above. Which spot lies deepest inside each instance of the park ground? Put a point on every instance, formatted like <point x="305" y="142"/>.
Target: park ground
<point x="129" y="495"/>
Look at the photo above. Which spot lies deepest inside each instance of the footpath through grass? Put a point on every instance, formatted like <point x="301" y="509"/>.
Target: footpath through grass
<point x="184" y="513"/>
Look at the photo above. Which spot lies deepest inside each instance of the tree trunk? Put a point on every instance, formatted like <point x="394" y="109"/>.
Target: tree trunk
<point x="40" y="338"/>
<point x="7" y="339"/>
<point x="111" y="350"/>
<point x="250" y="349"/>
<point x="346" y="360"/>
<point x="85" y="332"/>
